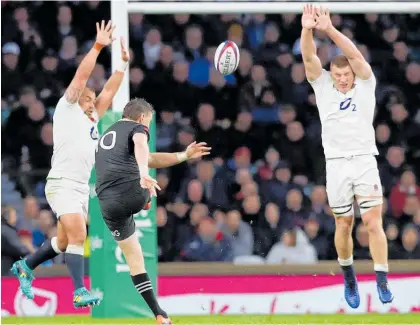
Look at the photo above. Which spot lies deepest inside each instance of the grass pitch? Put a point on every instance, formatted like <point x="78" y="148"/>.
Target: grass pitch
<point x="221" y="319"/>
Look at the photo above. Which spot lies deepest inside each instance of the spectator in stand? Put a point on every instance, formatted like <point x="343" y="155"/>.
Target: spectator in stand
<point x="166" y="235"/>
<point x="392" y="169"/>
<point x="241" y="233"/>
<point x="293" y="249"/>
<point x="12" y="249"/>
<point x="187" y="230"/>
<point x="269" y="229"/>
<point x="208" y="245"/>
<point x="361" y="251"/>
<point x="405" y="187"/>
<point x="411" y="242"/>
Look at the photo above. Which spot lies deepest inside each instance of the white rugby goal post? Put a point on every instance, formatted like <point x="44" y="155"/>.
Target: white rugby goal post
<point x="121" y="8"/>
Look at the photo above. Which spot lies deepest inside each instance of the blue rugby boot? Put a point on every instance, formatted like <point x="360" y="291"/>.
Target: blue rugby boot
<point x="385" y="294"/>
<point x="25" y="277"/>
<point x="351" y="293"/>
<point x="83" y="298"/>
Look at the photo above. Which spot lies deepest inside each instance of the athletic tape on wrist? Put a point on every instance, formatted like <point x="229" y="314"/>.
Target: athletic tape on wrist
<point x="122" y="66"/>
<point x="181" y="156"/>
<point x="98" y="46"/>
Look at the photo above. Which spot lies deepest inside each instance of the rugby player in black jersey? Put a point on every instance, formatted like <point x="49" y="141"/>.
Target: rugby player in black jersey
<point x="124" y="186"/>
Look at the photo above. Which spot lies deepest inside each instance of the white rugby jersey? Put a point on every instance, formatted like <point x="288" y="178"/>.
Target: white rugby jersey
<point x="75" y="138"/>
<point x="346" y="119"/>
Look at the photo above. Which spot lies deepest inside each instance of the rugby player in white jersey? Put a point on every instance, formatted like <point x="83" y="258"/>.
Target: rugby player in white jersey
<point x="345" y="97"/>
<point x="67" y="190"/>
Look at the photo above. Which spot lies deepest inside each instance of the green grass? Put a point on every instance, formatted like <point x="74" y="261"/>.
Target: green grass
<point x="217" y="319"/>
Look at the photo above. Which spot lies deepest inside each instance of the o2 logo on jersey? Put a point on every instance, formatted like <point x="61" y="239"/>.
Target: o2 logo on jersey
<point x="345" y="104"/>
<point x="94" y="133"/>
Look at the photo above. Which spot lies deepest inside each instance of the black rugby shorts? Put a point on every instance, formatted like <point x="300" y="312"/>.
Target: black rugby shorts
<point x="119" y="204"/>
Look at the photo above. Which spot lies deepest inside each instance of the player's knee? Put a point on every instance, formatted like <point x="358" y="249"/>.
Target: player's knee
<point x="344" y="225"/>
<point x="77" y="237"/>
<point x="373" y="221"/>
<point x="75" y="228"/>
<point x="344" y="229"/>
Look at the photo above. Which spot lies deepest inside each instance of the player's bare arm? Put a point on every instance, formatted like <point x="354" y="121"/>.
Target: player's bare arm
<point x="313" y="67"/>
<point x="167" y="159"/>
<point x="141" y="152"/>
<point x="103" y="38"/>
<point x="361" y="68"/>
<point x="104" y="100"/>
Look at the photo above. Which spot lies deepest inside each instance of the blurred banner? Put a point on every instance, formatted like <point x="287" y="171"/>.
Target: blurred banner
<point x="204" y="295"/>
<point x="53" y="296"/>
<point x="304" y="1"/>
<point x="108" y="270"/>
<point x="273" y="294"/>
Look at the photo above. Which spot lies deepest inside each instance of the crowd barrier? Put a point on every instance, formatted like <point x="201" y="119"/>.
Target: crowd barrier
<point x="203" y="289"/>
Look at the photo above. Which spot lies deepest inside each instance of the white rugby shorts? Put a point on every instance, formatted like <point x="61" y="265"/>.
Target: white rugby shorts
<point x="67" y="196"/>
<point x="347" y="177"/>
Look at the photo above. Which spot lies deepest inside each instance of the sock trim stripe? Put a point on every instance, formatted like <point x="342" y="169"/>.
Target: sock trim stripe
<point x="346" y="262"/>
<point x="75" y="249"/>
<point x="145" y="289"/>
<point x="54" y="245"/>
<point x="144" y="284"/>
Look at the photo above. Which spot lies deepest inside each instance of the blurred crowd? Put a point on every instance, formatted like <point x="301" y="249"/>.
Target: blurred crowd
<point x="260" y="197"/>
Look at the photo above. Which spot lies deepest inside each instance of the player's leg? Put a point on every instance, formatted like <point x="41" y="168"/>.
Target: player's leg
<point x="134" y="256"/>
<point x="120" y="222"/>
<point x="49" y="249"/>
<point x="340" y="198"/>
<point x="74" y="225"/>
<point x="368" y="192"/>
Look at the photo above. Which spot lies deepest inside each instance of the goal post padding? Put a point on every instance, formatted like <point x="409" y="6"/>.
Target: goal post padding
<point x="108" y="272"/>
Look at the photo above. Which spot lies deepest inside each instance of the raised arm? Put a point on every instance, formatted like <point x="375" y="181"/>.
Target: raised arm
<point x="313" y="67"/>
<point x="166" y="159"/>
<point x="104" y="100"/>
<point x="103" y="38"/>
<point x="361" y="68"/>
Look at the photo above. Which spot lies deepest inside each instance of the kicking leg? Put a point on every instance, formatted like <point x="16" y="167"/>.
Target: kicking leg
<point x="49" y="249"/>
<point x="343" y="240"/>
<point x="134" y="256"/>
<point x="371" y="211"/>
<point x="74" y="225"/>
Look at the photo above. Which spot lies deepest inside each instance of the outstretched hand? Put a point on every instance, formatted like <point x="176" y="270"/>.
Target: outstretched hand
<point x="197" y="150"/>
<point x="149" y="183"/>
<point x="323" y="19"/>
<point x="104" y="33"/>
<point x="308" y="17"/>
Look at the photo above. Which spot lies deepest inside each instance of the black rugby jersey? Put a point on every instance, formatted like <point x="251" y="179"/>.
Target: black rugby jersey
<point x="115" y="160"/>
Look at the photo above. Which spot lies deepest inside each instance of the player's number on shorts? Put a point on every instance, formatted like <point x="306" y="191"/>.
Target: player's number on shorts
<point x="113" y="136"/>
<point x="345" y="104"/>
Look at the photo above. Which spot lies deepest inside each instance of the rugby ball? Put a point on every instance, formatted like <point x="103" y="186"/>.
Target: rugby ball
<point x="226" y="59"/>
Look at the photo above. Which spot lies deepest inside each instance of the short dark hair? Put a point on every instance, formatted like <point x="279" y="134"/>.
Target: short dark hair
<point x="340" y="61"/>
<point x="136" y="107"/>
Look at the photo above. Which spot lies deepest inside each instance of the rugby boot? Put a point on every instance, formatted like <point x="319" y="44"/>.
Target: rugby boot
<point x="25" y="277"/>
<point x="384" y="292"/>
<point x="163" y="320"/>
<point x="351" y="293"/>
<point x="83" y="298"/>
